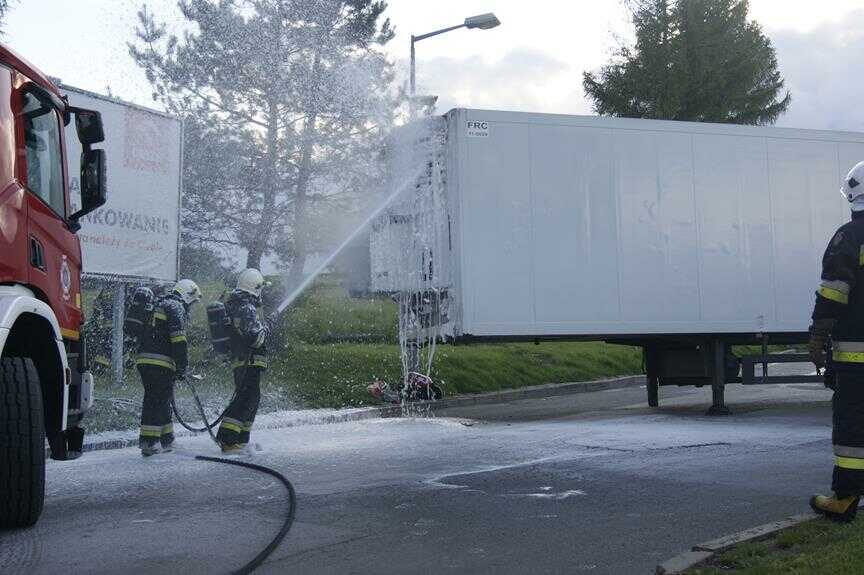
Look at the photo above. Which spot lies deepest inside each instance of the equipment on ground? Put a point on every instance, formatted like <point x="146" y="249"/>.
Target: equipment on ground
<point x="139" y="316"/>
<point x="417" y="387"/>
<point x="46" y="383"/>
<point x="682" y="238"/>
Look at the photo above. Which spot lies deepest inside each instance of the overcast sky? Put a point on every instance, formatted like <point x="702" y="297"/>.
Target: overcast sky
<point x="532" y="62"/>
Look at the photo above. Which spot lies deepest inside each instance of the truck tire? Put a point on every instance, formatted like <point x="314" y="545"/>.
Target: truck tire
<point x="22" y="444"/>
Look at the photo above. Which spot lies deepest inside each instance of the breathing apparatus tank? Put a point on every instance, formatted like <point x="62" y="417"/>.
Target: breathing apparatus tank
<point x="217" y="318"/>
<point x="139" y="316"/>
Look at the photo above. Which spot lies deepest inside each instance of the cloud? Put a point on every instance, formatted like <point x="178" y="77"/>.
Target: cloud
<point x="822" y="67"/>
<point x="823" y="70"/>
<point x="521" y="80"/>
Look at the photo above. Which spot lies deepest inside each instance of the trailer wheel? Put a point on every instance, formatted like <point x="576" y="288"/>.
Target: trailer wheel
<point x="22" y="444"/>
<point x="653" y="387"/>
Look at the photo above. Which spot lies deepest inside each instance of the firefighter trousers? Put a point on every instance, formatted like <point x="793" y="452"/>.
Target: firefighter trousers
<point x="848" y="433"/>
<point x="156" y="416"/>
<point x="240" y="415"/>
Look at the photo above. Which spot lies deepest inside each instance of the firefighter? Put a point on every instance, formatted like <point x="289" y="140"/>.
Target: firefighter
<point x="839" y="314"/>
<point x="162" y="359"/>
<point x="248" y="336"/>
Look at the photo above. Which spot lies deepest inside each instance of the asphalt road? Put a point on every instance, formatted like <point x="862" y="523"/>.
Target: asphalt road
<point x="593" y="483"/>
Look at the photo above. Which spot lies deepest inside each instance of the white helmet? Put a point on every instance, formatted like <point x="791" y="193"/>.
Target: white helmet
<point x="188" y="291"/>
<point x="251" y="281"/>
<point x="853" y="184"/>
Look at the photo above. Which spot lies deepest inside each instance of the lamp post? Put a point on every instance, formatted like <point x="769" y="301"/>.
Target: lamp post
<point x="481" y="22"/>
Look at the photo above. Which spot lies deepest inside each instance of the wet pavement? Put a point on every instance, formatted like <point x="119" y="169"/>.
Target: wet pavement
<point x="594" y="483"/>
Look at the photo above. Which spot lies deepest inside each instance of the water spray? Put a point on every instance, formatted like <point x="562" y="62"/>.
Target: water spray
<point x="353" y="236"/>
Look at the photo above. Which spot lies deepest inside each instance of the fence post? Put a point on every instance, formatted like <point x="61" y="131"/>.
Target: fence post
<point x="119" y="311"/>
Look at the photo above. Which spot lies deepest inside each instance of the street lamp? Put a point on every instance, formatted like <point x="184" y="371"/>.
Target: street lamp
<point x="481" y="22"/>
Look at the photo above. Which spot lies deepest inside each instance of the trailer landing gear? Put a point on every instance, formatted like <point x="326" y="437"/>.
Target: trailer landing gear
<point x="718" y="401"/>
<point x="653" y="387"/>
<point x="718" y="383"/>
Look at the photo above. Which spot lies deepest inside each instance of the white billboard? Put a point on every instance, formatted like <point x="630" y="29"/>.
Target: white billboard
<point x="136" y="233"/>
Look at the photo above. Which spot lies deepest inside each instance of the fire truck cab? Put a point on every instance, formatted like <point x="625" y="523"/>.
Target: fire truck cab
<point x="45" y="384"/>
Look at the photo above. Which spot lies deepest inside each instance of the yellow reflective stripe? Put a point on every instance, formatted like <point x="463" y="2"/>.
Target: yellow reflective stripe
<point x="70" y="334"/>
<point x="160" y="315"/>
<point x="247" y="426"/>
<point x="167" y="429"/>
<point x="256" y="362"/>
<point x="151" y="431"/>
<point x="849" y="462"/>
<point x="833" y="295"/>
<point x="861" y="256"/>
<point x="156" y="362"/>
<point x="848" y="356"/>
<point x="178" y="338"/>
<point x="232" y="426"/>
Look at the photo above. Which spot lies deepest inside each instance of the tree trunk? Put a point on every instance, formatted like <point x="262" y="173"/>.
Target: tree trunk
<point x="304" y="177"/>
<point x="265" y="222"/>
<point x="253" y="256"/>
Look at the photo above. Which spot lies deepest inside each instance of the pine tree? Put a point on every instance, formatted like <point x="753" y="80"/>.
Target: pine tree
<point x="279" y="97"/>
<point x="693" y="60"/>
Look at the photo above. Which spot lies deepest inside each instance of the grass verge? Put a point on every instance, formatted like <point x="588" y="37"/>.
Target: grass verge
<point x="336" y="375"/>
<point x="331" y="346"/>
<point x="817" y="547"/>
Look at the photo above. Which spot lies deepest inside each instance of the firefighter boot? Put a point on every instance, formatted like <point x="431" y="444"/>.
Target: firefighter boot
<point x="837" y="509"/>
<point x="233" y="448"/>
<point x="150" y="448"/>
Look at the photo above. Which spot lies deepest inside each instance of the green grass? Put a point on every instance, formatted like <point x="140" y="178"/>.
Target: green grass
<point x="332" y="346"/>
<point x="818" y="547"/>
<point x="337" y="375"/>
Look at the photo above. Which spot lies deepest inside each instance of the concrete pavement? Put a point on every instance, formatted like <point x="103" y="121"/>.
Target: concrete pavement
<point x="592" y="483"/>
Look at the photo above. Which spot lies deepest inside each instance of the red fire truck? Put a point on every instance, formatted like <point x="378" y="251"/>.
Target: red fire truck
<point x="45" y="385"/>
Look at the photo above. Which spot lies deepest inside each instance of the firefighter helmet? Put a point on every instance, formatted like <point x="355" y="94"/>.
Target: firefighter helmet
<point x="188" y="291"/>
<point x="251" y="281"/>
<point x="853" y="183"/>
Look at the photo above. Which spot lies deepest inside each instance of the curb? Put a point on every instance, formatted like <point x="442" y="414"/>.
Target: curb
<point x="705" y="551"/>
<point x="504" y="396"/>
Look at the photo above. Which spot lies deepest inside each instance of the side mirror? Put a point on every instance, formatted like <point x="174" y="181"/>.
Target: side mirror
<point x="88" y="124"/>
<point x="93" y="184"/>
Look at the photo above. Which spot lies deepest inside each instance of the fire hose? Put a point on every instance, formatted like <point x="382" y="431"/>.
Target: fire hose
<point x="292" y="496"/>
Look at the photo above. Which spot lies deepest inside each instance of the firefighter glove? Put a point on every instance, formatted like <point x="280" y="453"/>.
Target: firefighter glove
<point x="820" y="330"/>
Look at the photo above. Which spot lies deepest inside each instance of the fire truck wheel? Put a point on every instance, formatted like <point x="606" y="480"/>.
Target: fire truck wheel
<point x="22" y="444"/>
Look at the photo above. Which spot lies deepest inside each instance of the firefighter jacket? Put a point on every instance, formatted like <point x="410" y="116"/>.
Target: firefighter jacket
<point x="840" y="296"/>
<point x="164" y="343"/>
<point x="248" y="334"/>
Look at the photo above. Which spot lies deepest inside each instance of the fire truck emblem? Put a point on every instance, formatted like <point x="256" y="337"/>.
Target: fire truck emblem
<point x="65" y="278"/>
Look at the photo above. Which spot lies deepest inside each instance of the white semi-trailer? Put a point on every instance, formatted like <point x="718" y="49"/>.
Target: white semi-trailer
<point x="682" y="238"/>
